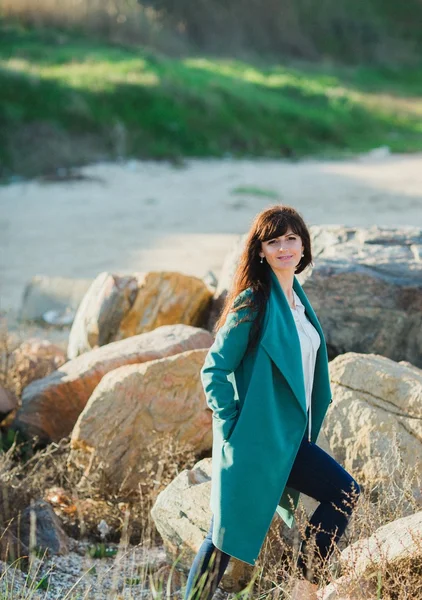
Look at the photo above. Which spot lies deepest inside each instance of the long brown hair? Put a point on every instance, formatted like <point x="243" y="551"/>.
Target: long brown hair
<point x="252" y="274"/>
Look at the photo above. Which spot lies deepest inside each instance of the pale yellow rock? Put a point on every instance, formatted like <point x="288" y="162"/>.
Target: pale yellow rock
<point x="374" y="425"/>
<point x="346" y="588"/>
<point x="393" y="542"/>
<point x="386" y="548"/>
<point x="116" y="307"/>
<point x="131" y="409"/>
<point x="164" y="298"/>
<point x="182" y="515"/>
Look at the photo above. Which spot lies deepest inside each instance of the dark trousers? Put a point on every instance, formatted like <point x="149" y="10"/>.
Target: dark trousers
<point x="314" y="473"/>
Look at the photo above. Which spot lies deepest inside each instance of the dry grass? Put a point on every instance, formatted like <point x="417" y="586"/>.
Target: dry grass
<point x="9" y="376"/>
<point x="275" y="570"/>
<point x="83" y="500"/>
<point x="356" y="32"/>
<point x="118" y="21"/>
<point x="377" y="506"/>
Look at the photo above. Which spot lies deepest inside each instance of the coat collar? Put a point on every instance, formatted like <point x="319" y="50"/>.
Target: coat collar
<point x="281" y="340"/>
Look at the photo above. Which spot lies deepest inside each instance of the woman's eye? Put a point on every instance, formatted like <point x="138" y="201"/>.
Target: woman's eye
<point x="270" y="242"/>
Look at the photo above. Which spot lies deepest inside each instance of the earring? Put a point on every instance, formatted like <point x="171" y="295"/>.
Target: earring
<point x="262" y="260"/>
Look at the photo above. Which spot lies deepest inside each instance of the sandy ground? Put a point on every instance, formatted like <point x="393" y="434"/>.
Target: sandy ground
<point x="138" y="216"/>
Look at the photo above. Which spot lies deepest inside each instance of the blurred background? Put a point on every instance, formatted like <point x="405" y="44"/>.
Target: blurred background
<point x="146" y="135"/>
<point x="165" y="79"/>
<point x="138" y="139"/>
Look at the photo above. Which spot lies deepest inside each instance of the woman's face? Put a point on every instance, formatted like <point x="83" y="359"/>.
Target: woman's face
<point x="283" y="252"/>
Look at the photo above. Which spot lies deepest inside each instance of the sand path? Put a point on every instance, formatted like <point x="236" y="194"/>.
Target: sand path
<point x="139" y="216"/>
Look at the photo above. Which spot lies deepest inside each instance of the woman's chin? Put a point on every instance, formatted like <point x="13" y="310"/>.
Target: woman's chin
<point x="280" y="268"/>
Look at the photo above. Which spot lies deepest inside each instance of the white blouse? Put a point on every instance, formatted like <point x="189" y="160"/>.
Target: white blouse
<point x="309" y="344"/>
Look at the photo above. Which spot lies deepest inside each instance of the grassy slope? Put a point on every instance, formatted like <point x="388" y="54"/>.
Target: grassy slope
<point x="165" y="107"/>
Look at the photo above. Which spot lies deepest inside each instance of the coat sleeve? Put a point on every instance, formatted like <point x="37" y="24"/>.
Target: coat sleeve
<point x="223" y="358"/>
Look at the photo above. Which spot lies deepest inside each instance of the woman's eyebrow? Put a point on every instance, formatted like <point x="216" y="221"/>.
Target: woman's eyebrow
<point x="285" y="235"/>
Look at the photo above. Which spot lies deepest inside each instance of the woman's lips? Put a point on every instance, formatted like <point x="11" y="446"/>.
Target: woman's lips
<point x="284" y="257"/>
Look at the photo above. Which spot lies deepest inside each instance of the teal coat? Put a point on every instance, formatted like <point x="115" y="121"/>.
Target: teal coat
<point x="259" y="419"/>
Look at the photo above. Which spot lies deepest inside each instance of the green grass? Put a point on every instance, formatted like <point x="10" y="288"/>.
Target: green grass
<point x="250" y="190"/>
<point x="79" y="99"/>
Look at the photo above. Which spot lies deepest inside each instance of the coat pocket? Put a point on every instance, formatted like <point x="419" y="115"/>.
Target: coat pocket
<point x="225" y="427"/>
<point x="235" y="427"/>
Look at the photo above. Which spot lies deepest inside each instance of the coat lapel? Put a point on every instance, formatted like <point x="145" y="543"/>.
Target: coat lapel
<point x="280" y="338"/>
<point x="309" y="311"/>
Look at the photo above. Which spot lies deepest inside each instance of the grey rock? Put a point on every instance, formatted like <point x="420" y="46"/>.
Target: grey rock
<point x="43" y="294"/>
<point x="365" y="286"/>
<point x="48" y="535"/>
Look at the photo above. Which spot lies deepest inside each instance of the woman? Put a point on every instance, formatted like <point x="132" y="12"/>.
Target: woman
<point x="266" y="380"/>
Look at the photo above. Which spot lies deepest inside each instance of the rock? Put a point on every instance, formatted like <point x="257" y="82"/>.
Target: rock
<point x="45" y="293"/>
<point x="52" y="405"/>
<point x="35" y="528"/>
<point x="8" y="402"/>
<point x="48" y="533"/>
<point x="225" y="280"/>
<point x="116" y="307"/>
<point x="348" y="588"/>
<point x="210" y="280"/>
<point x="394" y="542"/>
<point x="395" y="546"/>
<point x="366" y="288"/>
<point x="35" y="359"/>
<point x="59" y="318"/>
<point x="376" y="402"/>
<point x="132" y="408"/>
<point x="182" y="516"/>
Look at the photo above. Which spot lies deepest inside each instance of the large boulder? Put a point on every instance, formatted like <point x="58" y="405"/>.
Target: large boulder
<point x="396" y="541"/>
<point x="132" y="408"/>
<point x="366" y="287"/>
<point x="116" y="307"/>
<point x="394" y="547"/>
<point x="60" y="294"/>
<point x="51" y="406"/>
<point x="367" y="290"/>
<point x="374" y="425"/>
<point x="182" y="516"/>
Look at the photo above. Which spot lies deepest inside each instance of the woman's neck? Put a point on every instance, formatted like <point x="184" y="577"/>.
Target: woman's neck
<point x="286" y="282"/>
